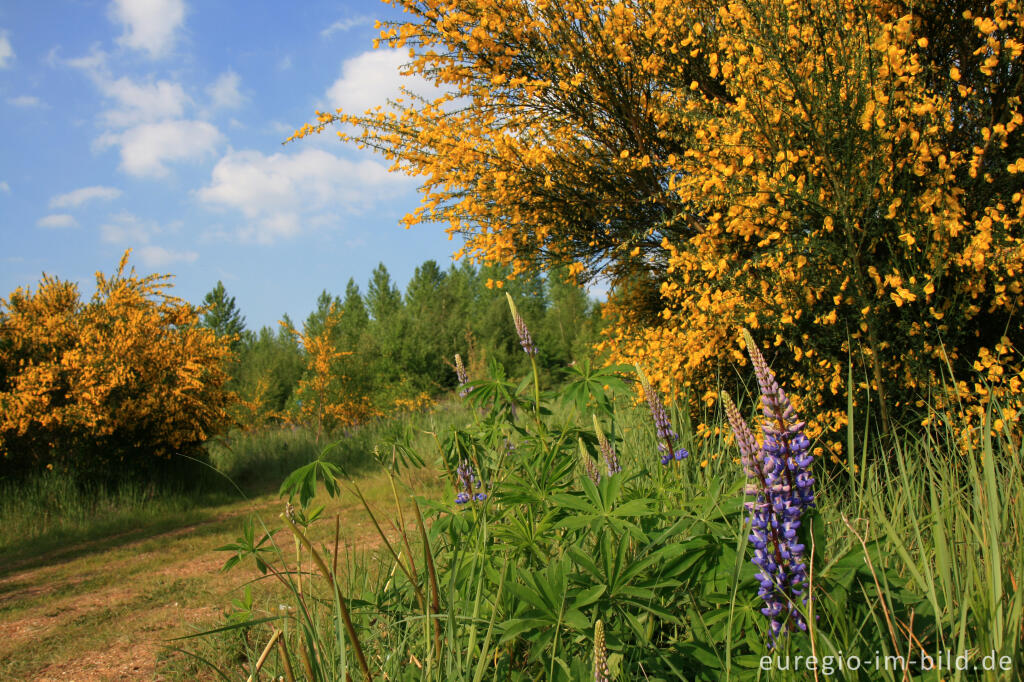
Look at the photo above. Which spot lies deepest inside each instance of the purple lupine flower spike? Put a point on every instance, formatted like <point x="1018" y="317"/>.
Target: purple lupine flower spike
<point x="460" y="372"/>
<point x="750" y="453"/>
<point x="666" y="436"/>
<point x="784" y="439"/>
<point x="611" y="460"/>
<point x="468" y="484"/>
<point x="782" y="488"/>
<point x="525" y="340"/>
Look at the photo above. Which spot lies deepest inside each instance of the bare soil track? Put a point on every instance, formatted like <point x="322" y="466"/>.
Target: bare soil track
<point x="106" y="609"/>
<point x="103" y="610"/>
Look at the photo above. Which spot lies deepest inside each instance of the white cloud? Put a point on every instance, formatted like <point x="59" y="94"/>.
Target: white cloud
<point x="25" y="101"/>
<point x="57" y="221"/>
<point x="134" y="102"/>
<point x="150" y="116"/>
<point x="127" y="229"/>
<point x="4" y="187"/>
<point x="6" y="51"/>
<point x="78" y="197"/>
<point x="371" y="78"/>
<point x="146" y="148"/>
<point x="224" y="93"/>
<point x="94" y="63"/>
<point x="347" y="24"/>
<point x="159" y="257"/>
<point x="143" y="102"/>
<point x="281" y="193"/>
<point x="149" y="25"/>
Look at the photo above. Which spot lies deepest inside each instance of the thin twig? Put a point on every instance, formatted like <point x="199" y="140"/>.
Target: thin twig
<point x="263" y="657"/>
<point x="289" y="675"/>
<point x="878" y="587"/>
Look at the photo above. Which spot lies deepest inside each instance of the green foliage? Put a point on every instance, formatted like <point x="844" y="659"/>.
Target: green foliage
<point x="396" y="348"/>
<point x="383" y="299"/>
<point x="921" y="549"/>
<point x="268" y="367"/>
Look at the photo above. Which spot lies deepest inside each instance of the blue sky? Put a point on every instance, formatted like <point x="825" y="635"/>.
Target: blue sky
<point x="156" y="125"/>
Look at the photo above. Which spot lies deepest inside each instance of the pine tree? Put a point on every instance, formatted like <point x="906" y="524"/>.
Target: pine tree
<point x="382" y="296"/>
<point x="222" y="315"/>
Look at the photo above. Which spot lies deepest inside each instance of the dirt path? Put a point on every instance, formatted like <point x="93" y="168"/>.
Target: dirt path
<point x="104" y="613"/>
<point x="105" y="609"/>
<point x="107" y="613"/>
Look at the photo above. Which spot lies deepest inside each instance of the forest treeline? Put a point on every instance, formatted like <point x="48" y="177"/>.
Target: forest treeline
<point x="380" y="348"/>
<point x="132" y="377"/>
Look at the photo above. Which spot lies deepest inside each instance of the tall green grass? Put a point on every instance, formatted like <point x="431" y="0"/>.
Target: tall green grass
<point x="48" y="511"/>
<point x="260" y="459"/>
<point x="53" y="509"/>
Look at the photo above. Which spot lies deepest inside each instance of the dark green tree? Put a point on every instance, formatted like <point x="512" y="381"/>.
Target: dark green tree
<point x="432" y="328"/>
<point x="382" y="296"/>
<point x="222" y="315"/>
<point x="355" y="316"/>
<point x="316" y="319"/>
<point x="568" y="328"/>
<point x="270" y="364"/>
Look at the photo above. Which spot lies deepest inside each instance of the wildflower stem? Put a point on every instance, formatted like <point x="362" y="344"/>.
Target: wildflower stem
<point x="536" y="388"/>
<point x="342" y="606"/>
<point x="435" y="602"/>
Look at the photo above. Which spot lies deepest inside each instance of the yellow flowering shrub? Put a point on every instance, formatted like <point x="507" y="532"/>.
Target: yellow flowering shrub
<point x="841" y="176"/>
<point x="323" y="397"/>
<point x="416" y="403"/>
<point x="109" y="385"/>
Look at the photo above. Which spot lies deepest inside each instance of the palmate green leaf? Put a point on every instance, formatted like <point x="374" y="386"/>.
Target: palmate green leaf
<point x="302" y="482"/>
<point x="577" y="502"/>
<point x="513" y="628"/>
<point x="722" y="614"/>
<point x="402" y="456"/>
<point x="247" y="545"/>
<point x="702" y="653"/>
<point x="585" y="386"/>
<point x="529" y="595"/>
<point x="529" y="535"/>
<point x="583" y="560"/>
<point x="496" y="393"/>
<point x="587" y="597"/>
<point x="575" y="619"/>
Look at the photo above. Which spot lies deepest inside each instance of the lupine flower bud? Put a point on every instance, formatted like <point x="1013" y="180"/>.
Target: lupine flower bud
<point x="589" y="466"/>
<point x="666" y="436"/>
<point x="525" y="340"/>
<point x="611" y="460"/>
<point x="601" y="672"/>
<point x="460" y="372"/>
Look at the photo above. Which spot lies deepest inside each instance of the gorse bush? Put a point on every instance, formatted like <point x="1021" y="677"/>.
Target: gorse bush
<point x="585" y="537"/>
<point x="110" y="387"/>
<point x="841" y="177"/>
